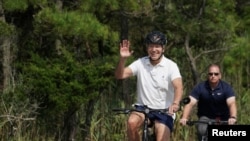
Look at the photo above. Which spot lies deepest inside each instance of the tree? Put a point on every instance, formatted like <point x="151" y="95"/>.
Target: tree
<point x="61" y="55"/>
<point x="7" y="32"/>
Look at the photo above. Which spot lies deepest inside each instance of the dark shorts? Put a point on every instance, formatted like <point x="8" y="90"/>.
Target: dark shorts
<point x="160" y="117"/>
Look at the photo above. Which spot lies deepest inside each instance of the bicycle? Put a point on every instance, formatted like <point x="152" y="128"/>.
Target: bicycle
<point x="145" y="134"/>
<point x="208" y="122"/>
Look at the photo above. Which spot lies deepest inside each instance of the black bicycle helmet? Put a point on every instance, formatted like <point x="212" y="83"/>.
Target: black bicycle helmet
<point x="156" y="37"/>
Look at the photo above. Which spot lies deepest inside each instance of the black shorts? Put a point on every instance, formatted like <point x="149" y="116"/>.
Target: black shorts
<point x="160" y="117"/>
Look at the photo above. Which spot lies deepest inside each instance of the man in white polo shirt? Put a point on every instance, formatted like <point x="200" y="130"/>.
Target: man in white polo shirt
<point x="159" y="85"/>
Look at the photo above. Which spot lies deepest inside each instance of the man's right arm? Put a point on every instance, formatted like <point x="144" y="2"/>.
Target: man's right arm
<point x="121" y="71"/>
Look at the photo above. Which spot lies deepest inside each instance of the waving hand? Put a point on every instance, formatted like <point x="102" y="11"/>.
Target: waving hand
<point x="125" y="51"/>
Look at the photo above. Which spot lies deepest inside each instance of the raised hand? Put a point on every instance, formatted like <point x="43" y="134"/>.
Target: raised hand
<point x="125" y="51"/>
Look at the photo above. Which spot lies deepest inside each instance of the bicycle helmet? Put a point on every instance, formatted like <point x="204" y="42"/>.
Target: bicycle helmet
<point x="155" y="37"/>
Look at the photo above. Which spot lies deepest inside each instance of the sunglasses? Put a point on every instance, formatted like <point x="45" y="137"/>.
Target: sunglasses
<point x="215" y="73"/>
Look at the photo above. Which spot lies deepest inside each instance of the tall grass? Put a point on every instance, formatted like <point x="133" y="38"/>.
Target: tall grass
<point x="18" y="120"/>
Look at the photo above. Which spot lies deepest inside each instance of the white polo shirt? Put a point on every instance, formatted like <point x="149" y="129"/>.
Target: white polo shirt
<point x="154" y="83"/>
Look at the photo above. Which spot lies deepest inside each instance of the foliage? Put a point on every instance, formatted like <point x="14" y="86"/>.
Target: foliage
<point x="67" y="52"/>
<point x="71" y="24"/>
<point x="6" y="29"/>
<point x="15" y="5"/>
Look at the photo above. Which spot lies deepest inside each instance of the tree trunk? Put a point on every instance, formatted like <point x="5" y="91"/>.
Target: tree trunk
<point x="6" y="64"/>
<point x="192" y="61"/>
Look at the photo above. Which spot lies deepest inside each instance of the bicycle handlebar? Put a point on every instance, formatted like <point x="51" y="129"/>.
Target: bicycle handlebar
<point x="147" y="110"/>
<point x="209" y="122"/>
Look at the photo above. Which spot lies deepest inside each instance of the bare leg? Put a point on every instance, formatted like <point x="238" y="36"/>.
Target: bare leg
<point x="135" y="122"/>
<point x="162" y="132"/>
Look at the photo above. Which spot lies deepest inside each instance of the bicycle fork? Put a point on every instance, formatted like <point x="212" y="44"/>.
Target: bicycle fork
<point x="145" y="130"/>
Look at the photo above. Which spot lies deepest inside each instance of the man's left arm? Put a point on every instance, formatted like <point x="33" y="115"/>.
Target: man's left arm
<point x="231" y="102"/>
<point x="178" y="92"/>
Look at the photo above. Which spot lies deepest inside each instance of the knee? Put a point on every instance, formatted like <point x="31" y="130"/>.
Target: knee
<point x="202" y="128"/>
<point x="133" y="123"/>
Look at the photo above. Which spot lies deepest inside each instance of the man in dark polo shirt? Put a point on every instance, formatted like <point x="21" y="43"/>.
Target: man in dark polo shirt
<point x="215" y="99"/>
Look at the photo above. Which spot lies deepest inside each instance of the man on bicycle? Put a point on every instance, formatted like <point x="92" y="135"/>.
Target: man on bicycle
<point x="159" y="85"/>
<point x="215" y="100"/>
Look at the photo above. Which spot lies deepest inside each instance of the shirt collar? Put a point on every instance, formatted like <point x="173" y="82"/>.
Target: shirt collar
<point x="208" y="86"/>
<point x="161" y="63"/>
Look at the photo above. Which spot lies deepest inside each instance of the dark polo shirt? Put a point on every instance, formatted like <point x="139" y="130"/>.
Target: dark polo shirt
<point x="212" y="103"/>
